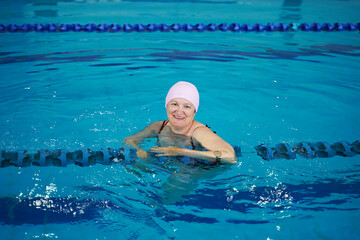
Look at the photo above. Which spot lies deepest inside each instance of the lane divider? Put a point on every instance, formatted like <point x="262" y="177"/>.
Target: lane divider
<point x="87" y="157"/>
<point x="177" y="27"/>
<point x="308" y="150"/>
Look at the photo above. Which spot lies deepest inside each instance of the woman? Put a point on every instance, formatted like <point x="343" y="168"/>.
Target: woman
<point x="181" y="135"/>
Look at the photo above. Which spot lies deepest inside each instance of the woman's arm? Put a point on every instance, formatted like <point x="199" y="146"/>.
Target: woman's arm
<point x="218" y="149"/>
<point x="149" y="132"/>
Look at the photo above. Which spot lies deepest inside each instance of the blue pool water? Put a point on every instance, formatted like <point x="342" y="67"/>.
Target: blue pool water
<point x="90" y="90"/>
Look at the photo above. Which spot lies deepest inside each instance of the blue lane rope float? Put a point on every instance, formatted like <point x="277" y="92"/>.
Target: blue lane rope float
<point x="308" y="150"/>
<point x="177" y="27"/>
<point x="87" y="157"/>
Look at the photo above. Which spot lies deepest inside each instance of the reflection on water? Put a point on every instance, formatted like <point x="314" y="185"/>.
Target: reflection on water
<point x="291" y="11"/>
<point x="171" y="55"/>
<point x="292" y="3"/>
<point x="182" y="190"/>
<point x="46" y="13"/>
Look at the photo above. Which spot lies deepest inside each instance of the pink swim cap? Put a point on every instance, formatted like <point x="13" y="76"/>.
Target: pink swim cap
<point x="184" y="90"/>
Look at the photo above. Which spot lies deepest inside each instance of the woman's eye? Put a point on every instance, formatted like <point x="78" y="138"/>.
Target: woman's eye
<point x="188" y="107"/>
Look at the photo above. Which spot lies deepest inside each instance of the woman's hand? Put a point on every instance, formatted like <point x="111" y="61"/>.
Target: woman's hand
<point x="132" y="142"/>
<point x="167" y="151"/>
<point x="142" y="154"/>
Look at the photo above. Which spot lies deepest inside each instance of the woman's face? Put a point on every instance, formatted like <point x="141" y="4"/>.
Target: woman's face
<point x="180" y="112"/>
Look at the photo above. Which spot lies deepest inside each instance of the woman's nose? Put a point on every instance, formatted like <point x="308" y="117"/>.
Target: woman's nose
<point x="179" y="109"/>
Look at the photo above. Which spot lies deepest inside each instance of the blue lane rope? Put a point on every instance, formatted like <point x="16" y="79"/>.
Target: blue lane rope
<point x="308" y="150"/>
<point x="87" y="157"/>
<point x="177" y="27"/>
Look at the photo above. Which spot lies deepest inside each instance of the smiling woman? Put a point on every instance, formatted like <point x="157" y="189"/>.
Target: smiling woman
<point x="181" y="135"/>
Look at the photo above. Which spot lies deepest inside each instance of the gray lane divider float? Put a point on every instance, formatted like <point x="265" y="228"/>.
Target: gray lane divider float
<point x="87" y="157"/>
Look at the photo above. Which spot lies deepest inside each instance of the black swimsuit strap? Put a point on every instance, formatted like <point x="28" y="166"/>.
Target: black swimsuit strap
<point x="162" y="126"/>
<point x="192" y="143"/>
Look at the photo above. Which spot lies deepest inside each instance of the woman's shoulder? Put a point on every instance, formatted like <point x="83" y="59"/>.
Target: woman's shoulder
<point x="198" y="126"/>
<point x="156" y="124"/>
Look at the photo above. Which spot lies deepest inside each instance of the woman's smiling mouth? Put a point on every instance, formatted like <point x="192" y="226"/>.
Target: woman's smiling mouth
<point x="178" y="117"/>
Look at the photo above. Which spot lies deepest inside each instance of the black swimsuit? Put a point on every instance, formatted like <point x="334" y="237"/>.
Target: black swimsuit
<point x="164" y="124"/>
<point x="188" y="160"/>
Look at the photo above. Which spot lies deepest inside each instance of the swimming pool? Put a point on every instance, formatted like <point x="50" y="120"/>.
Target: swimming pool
<point x="90" y="90"/>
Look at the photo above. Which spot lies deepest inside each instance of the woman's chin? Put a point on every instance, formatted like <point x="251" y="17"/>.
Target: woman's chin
<point x="178" y="123"/>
